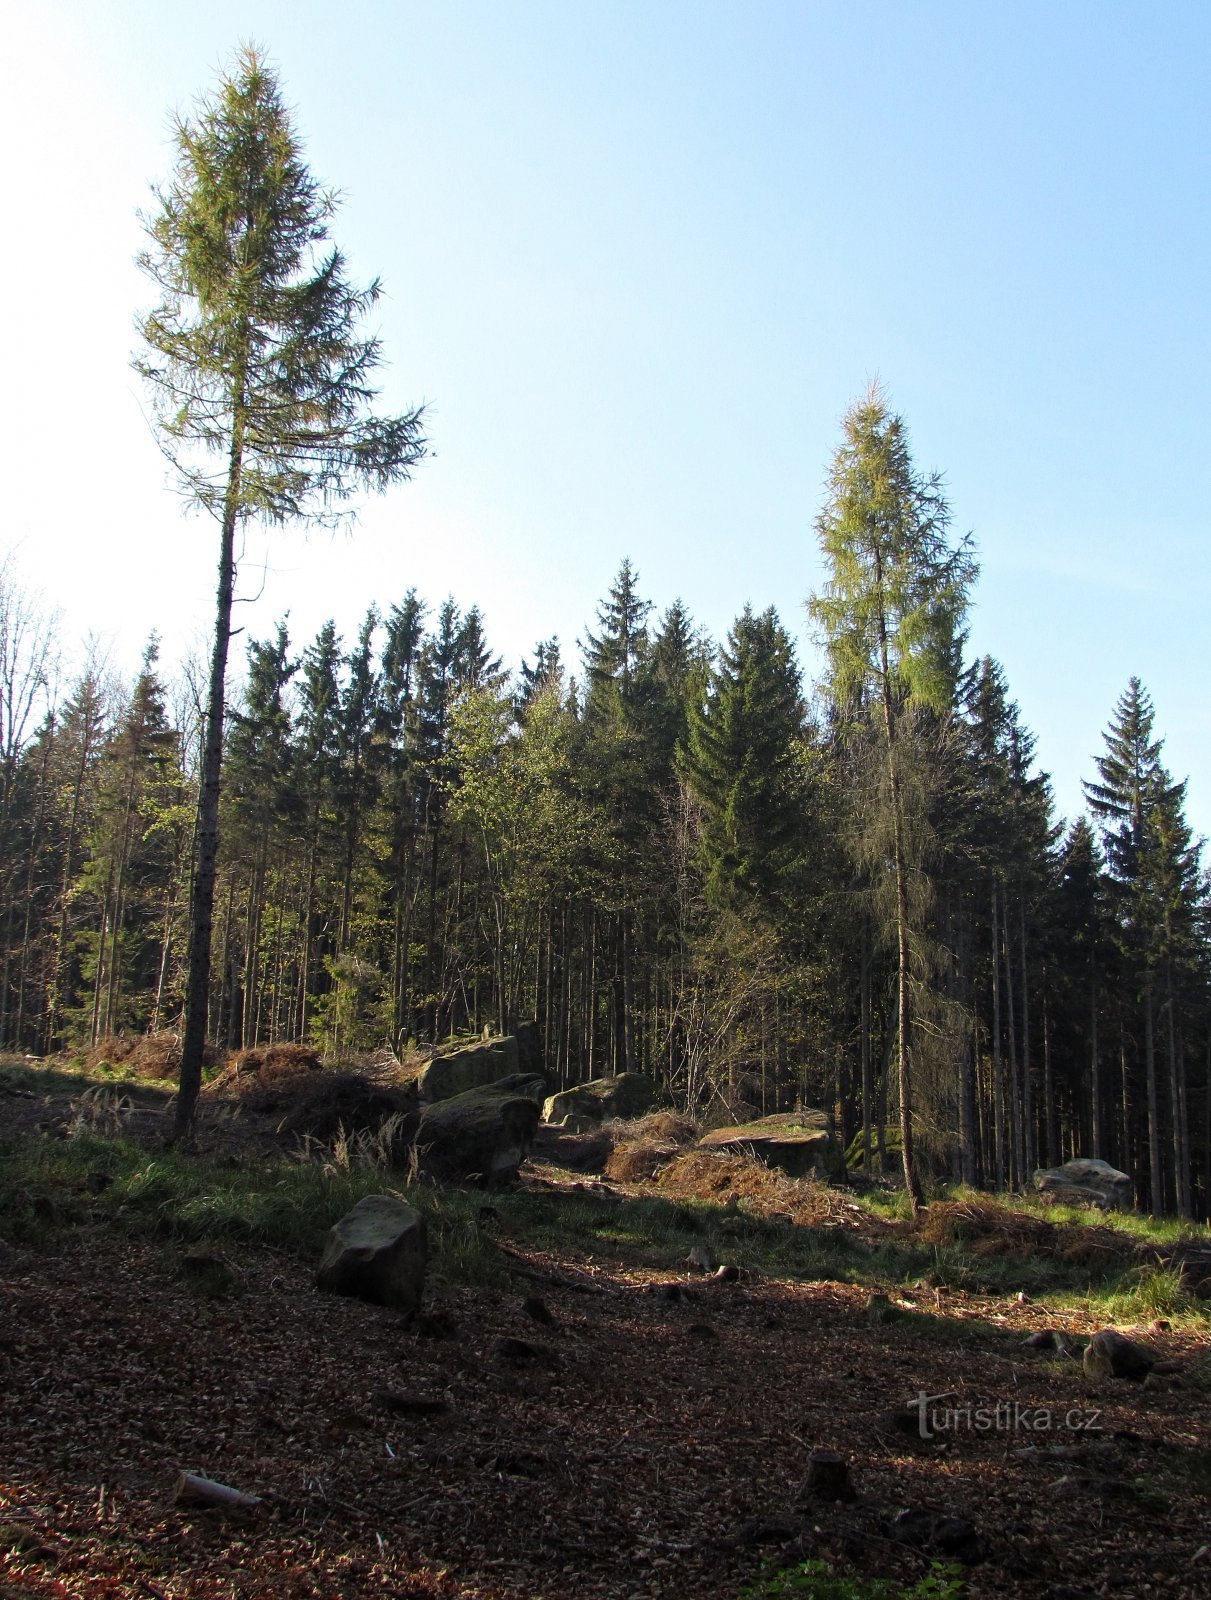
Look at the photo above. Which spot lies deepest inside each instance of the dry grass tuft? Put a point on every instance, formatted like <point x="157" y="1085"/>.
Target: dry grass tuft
<point x="988" y="1228"/>
<point x="329" y="1106"/>
<point x="266" y="1079"/>
<point x="707" y="1175"/>
<point x="155" y="1057"/>
<point x="641" y="1148"/>
<point x="1086" y="1246"/>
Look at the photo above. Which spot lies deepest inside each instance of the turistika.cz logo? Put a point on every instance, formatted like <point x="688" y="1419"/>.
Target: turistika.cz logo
<point x="1000" y="1416"/>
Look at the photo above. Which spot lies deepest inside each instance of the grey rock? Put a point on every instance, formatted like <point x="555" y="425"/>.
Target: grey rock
<point x="1086" y="1181"/>
<point x="456" y="1068"/>
<point x="1110" y="1354"/>
<point x="377" y="1252"/>
<point x="797" y="1143"/>
<point x="484" y="1134"/>
<point x="628" y="1094"/>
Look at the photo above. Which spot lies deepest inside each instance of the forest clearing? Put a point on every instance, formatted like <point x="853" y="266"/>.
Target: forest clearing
<point x="614" y="1386"/>
<point x="681" y="1111"/>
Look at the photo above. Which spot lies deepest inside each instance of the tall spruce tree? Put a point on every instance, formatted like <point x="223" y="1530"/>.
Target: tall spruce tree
<point x="1130" y="797"/>
<point x="133" y="854"/>
<point x="891" y="613"/>
<point x="261" y="383"/>
<point x="741" y="760"/>
<point x="262" y="800"/>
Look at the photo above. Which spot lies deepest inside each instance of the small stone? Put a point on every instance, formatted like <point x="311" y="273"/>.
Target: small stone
<point x="407" y="1405"/>
<point x="432" y="1325"/>
<point x="520" y="1352"/>
<point x="762" y="1531"/>
<point x="879" y="1309"/>
<point x="210" y="1274"/>
<point x="1110" y="1354"/>
<point x="938" y="1534"/>
<point x="727" y="1274"/>
<point x="1049" y="1339"/>
<point x="905" y="1421"/>
<point x="537" y="1311"/>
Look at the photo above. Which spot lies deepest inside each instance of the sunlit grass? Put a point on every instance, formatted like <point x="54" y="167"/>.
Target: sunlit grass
<point x="100" y="1176"/>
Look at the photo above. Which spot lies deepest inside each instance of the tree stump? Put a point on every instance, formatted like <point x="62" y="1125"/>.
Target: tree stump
<point x="828" y="1476"/>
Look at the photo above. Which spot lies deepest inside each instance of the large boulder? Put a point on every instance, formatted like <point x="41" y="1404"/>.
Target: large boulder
<point x="627" y="1095"/>
<point x="799" y="1143"/>
<point x="1086" y="1181"/>
<point x="377" y="1252"/>
<point x="484" y="1133"/>
<point x="477" y="1065"/>
<point x="532" y="1084"/>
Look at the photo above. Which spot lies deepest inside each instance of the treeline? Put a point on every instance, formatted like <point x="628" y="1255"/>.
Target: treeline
<point x="677" y="860"/>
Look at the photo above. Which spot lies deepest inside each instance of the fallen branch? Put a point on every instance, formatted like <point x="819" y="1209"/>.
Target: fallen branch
<point x="204" y="1491"/>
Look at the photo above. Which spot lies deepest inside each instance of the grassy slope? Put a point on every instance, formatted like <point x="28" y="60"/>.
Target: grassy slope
<point x="95" y="1174"/>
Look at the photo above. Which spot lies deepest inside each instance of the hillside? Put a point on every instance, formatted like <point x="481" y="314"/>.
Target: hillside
<point x="575" y="1411"/>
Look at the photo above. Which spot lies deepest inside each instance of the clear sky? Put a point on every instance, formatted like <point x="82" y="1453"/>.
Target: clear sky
<point x="639" y="257"/>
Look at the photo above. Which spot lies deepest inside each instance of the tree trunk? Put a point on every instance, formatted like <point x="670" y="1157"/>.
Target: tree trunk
<point x="998" y="1070"/>
<point x="1028" y="1131"/>
<point x="867" y="1080"/>
<point x="1095" y="1080"/>
<point x="1181" y="1196"/>
<point x="56" y="1001"/>
<point x="1126" y="1103"/>
<point x="1155" y="1174"/>
<point x="1049" y="1107"/>
<point x="201" y="909"/>
<point x="1014" y="1108"/>
<point x="904" y="1008"/>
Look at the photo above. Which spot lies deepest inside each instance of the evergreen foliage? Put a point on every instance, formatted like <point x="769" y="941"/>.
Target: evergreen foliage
<point x="891" y="614"/>
<point x="261" y="383"/>
<point x="408" y="852"/>
<point x="854" y="895"/>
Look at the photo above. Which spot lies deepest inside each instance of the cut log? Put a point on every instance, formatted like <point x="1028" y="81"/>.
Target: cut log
<point x="194" y="1490"/>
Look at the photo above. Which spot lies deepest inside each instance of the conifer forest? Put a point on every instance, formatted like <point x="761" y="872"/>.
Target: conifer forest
<point x="673" y="853"/>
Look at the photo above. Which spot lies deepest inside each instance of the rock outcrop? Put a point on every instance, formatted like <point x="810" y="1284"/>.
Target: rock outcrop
<point x="798" y="1143"/>
<point x="1086" y="1181"/>
<point x="629" y="1094"/>
<point x="480" y="1063"/>
<point x="377" y="1252"/>
<point x="484" y="1133"/>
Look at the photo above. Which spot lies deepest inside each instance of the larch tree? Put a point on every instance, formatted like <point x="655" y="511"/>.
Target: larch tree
<point x="891" y="614"/>
<point x="261" y="382"/>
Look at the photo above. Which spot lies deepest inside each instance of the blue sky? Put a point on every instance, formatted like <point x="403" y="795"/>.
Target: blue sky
<point x="639" y="258"/>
